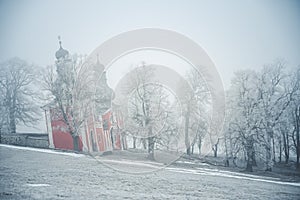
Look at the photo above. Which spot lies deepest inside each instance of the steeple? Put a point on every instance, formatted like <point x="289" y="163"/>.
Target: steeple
<point x="98" y="67"/>
<point x="61" y="53"/>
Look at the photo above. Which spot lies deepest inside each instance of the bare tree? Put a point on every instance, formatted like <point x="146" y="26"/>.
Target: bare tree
<point x="244" y="111"/>
<point x="261" y="108"/>
<point x="196" y="107"/>
<point x="71" y="91"/>
<point x="287" y="125"/>
<point x="200" y="128"/>
<point x="296" y="136"/>
<point x="148" y="109"/>
<point x="284" y="140"/>
<point x="294" y="113"/>
<point x="3" y="109"/>
<point x="18" y="98"/>
<point x="274" y="100"/>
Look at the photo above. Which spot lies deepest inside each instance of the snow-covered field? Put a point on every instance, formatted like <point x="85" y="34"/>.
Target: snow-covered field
<point x="28" y="173"/>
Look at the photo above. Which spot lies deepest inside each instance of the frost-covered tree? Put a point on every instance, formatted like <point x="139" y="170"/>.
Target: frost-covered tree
<point x="148" y="110"/>
<point x="243" y="109"/>
<point x="199" y="127"/>
<point x="261" y="114"/>
<point x="196" y="105"/>
<point x="294" y="112"/>
<point x="18" y="99"/>
<point x="168" y="139"/>
<point x="274" y="100"/>
<point x="70" y="89"/>
<point x="3" y="109"/>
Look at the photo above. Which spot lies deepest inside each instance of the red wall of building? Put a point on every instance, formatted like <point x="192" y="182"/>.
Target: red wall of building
<point x="62" y="139"/>
<point x="99" y="135"/>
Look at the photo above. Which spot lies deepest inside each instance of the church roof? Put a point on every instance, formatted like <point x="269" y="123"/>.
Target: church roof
<point x="61" y="52"/>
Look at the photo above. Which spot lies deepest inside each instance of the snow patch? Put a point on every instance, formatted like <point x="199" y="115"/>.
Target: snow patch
<point x="131" y="162"/>
<point x="236" y="173"/>
<point x="50" y="151"/>
<point x="192" y="163"/>
<point x="37" y="184"/>
<point x="236" y="176"/>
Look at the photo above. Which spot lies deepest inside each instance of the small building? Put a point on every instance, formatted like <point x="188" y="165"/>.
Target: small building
<point x="101" y="131"/>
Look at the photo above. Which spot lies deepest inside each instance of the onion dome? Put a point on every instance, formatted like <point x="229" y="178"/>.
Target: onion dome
<point x="61" y="53"/>
<point x="104" y="95"/>
<point x="98" y="67"/>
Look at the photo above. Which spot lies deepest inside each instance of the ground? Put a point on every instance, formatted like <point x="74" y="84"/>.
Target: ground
<point x="26" y="173"/>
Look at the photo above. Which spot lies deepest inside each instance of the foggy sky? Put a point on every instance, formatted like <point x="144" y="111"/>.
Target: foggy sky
<point x="235" y="34"/>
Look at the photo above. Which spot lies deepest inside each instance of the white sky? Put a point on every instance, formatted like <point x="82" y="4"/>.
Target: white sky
<point x="235" y="34"/>
<point x="128" y="62"/>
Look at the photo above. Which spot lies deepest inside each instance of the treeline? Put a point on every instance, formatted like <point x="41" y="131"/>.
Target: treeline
<point x="18" y="95"/>
<point x="263" y="116"/>
<point x="262" y="120"/>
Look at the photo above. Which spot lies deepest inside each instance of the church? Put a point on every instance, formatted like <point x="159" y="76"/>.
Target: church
<point x="100" y="130"/>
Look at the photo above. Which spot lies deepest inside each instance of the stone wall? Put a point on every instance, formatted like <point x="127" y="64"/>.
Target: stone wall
<point x="39" y="140"/>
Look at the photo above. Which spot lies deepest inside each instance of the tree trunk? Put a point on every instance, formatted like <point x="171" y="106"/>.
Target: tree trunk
<point x="253" y="157"/>
<point x="297" y="112"/>
<point x="268" y="159"/>
<point x="249" y="167"/>
<point x="215" y="148"/>
<point x="12" y="115"/>
<point x="134" y="142"/>
<point x="151" y="148"/>
<point x="144" y="142"/>
<point x="226" y="152"/>
<point x="268" y="149"/>
<point x="286" y="147"/>
<point x="12" y="124"/>
<point x="124" y="141"/>
<point x="273" y="147"/>
<point x="249" y="152"/>
<point x="287" y="156"/>
<point x="280" y="151"/>
<point x="199" y="145"/>
<point x="112" y="138"/>
<point x="188" y="151"/>
<point x="227" y="162"/>
<point x="151" y="142"/>
<point x="192" y="148"/>
<point x="186" y="132"/>
<point x="75" y="143"/>
<point x="234" y="161"/>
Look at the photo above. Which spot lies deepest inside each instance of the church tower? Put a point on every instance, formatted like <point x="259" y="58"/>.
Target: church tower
<point x="65" y="71"/>
<point x="104" y="94"/>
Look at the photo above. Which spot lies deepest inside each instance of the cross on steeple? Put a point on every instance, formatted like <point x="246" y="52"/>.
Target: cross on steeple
<point x="59" y="40"/>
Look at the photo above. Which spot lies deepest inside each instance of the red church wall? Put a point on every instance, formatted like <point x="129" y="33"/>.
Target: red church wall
<point x="107" y="126"/>
<point x="100" y="139"/>
<point x="99" y="136"/>
<point x="113" y="131"/>
<point x="97" y="139"/>
<point x="62" y="139"/>
<point x="117" y="144"/>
